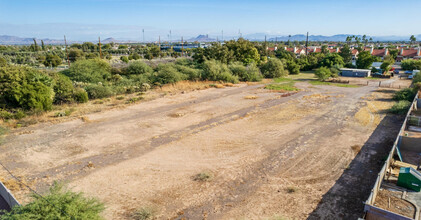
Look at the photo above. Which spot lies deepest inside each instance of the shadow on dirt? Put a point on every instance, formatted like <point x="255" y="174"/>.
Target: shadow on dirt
<point x="345" y="199"/>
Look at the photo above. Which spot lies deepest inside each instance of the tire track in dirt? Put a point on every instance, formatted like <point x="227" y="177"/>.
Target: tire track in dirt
<point x="257" y="174"/>
<point x="78" y="168"/>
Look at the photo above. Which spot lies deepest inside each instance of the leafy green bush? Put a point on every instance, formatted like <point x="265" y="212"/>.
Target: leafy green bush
<point x="401" y="107"/>
<point x="167" y="73"/>
<point x="26" y="88"/>
<point x="89" y="71"/>
<point x="138" y="67"/>
<point x="80" y="95"/>
<point x="332" y="59"/>
<point x="184" y="62"/>
<point x="250" y="73"/>
<point x="124" y="59"/>
<point x="216" y="71"/>
<point x="191" y="73"/>
<point x="411" y="64"/>
<point x="323" y="73"/>
<point x="3" y="62"/>
<point x="273" y="68"/>
<point x="63" y="89"/>
<point x="293" y="67"/>
<point x="59" y="203"/>
<point x="407" y="94"/>
<point x="98" y="91"/>
<point x="5" y="114"/>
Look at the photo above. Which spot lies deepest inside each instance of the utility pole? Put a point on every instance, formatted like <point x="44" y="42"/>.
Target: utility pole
<point x="266" y="47"/>
<point x="182" y="46"/>
<point x="239" y="33"/>
<point x="307" y="44"/>
<point x="100" y="52"/>
<point x="143" y="34"/>
<point x="222" y="35"/>
<point x="67" y="54"/>
<point x="159" y="42"/>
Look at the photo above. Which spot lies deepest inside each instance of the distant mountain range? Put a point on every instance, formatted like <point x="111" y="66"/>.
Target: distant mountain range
<point x="13" y="40"/>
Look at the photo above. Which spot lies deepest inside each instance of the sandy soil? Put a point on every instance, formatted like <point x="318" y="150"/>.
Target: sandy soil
<point x="297" y="155"/>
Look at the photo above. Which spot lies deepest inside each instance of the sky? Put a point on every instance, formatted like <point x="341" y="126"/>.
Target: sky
<point x="125" y="19"/>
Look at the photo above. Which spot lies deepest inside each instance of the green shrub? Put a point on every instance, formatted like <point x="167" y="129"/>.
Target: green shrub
<point x="80" y="95"/>
<point x="323" y="73"/>
<point x="5" y="114"/>
<point x="250" y="73"/>
<point x="191" y="73"/>
<point x="124" y="59"/>
<point x="401" y="107"/>
<point x="167" y="73"/>
<point x="89" y="71"/>
<point x="138" y="67"/>
<point x="184" y="62"/>
<point x="411" y="64"/>
<point x="26" y="88"/>
<point x="144" y="213"/>
<point x="217" y="71"/>
<point x="3" y="62"/>
<point x="293" y="67"/>
<point x="407" y="94"/>
<point x="59" y="203"/>
<point x="63" y="89"/>
<point x="98" y="91"/>
<point x="273" y="68"/>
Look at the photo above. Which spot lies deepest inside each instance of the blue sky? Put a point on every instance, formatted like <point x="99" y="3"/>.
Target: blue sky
<point x="124" y="19"/>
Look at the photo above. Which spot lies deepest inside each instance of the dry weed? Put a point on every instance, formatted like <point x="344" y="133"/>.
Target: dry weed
<point x="251" y="97"/>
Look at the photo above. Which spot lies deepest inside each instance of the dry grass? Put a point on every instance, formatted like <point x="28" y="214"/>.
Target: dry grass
<point x="291" y="189"/>
<point x="356" y="148"/>
<point x="377" y="104"/>
<point x="85" y="119"/>
<point x="251" y="97"/>
<point x="176" y="115"/>
<point x="185" y="86"/>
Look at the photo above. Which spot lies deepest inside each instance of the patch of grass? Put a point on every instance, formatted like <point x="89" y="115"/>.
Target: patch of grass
<point x="144" y="213"/>
<point x="202" y="177"/>
<point x="282" y="87"/>
<point x="119" y="97"/>
<point x="98" y="102"/>
<point x="251" y="97"/>
<point x="316" y="83"/>
<point x="134" y="100"/>
<point x="356" y="148"/>
<point x="400" y="107"/>
<point x="291" y="189"/>
<point x="278" y="80"/>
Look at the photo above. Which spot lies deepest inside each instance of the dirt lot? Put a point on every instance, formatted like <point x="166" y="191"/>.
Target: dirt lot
<point x="296" y="156"/>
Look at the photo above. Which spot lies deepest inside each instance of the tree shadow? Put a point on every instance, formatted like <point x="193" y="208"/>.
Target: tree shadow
<point x="345" y="199"/>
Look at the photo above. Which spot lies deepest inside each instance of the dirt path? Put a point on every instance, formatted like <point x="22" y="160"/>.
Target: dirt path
<point x="276" y="155"/>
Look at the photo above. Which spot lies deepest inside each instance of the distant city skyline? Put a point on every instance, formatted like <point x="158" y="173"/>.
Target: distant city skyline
<point x="125" y="19"/>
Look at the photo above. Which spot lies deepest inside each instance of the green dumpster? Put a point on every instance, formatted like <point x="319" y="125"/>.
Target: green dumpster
<point x="409" y="178"/>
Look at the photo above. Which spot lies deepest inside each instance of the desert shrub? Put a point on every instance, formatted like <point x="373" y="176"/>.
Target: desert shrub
<point x="144" y="213"/>
<point x="217" y="71"/>
<point x="26" y="88"/>
<point x="63" y="89"/>
<point x="89" y="71"/>
<point x="323" y="73"/>
<point x="407" y="94"/>
<point x="293" y="67"/>
<point x="273" y="68"/>
<point x="202" y="177"/>
<point x="250" y="73"/>
<point x="184" y="62"/>
<point x="191" y="73"/>
<point x="124" y="59"/>
<point x="98" y="91"/>
<point x="138" y="67"/>
<point x="401" y="107"/>
<point x="58" y="203"/>
<point x="5" y="114"/>
<point x="3" y="62"/>
<point x="167" y="73"/>
<point x="80" y="95"/>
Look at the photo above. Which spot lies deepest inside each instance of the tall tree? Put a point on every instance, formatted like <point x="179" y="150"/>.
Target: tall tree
<point x="365" y="59"/>
<point x="42" y="45"/>
<point x="412" y="39"/>
<point x="346" y="53"/>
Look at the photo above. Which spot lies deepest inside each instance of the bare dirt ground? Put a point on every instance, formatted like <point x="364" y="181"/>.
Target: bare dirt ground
<point x="311" y="154"/>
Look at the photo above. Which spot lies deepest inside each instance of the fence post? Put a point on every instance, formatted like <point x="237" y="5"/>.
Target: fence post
<point x="380" y="83"/>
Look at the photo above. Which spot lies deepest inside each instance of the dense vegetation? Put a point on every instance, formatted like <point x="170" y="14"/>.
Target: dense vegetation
<point x="92" y="76"/>
<point x="60" y="204"/>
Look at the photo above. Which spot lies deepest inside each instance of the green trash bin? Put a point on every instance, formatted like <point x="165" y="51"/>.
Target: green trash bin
<point x="409" y="178"/>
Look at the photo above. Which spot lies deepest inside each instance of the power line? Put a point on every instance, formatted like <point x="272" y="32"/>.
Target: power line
<point x="33" y="191"/>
